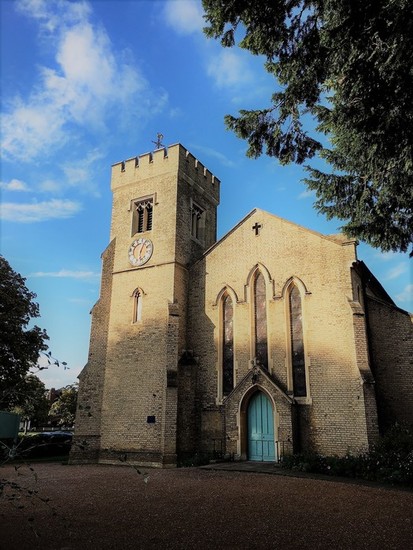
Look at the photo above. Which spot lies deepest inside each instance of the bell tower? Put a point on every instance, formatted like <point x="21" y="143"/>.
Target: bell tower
<point x="164" y="217"/>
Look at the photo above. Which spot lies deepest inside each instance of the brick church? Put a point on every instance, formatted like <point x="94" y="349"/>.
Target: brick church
<point x="273" y="340"/>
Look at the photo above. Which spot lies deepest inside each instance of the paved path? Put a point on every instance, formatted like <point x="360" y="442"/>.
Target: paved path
<point x="115" y="507"/>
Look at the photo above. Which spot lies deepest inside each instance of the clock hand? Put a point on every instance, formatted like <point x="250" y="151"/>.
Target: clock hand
<point x="141" y="250"/>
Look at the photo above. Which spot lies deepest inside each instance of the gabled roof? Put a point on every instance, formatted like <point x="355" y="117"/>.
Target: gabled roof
<point x="338" y="238"/>
<point x="371" y="283"/>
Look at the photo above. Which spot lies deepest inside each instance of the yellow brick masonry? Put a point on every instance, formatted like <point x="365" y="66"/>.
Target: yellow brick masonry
<point x="284" y="250"/>
<point x="150" y="392"/>
<point x="139" y="356"/>
<point x="391" y="331"/>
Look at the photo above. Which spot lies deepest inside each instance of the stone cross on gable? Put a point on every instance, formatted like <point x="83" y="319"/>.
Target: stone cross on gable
<point x="257" y="228"/>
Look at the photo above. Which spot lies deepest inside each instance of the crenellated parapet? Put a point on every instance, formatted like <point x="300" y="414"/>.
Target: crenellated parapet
<point x="196" y="173"/>
<point x="166" y="160"/>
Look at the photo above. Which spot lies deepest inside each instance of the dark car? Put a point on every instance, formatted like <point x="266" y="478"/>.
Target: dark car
<point x="44" y="444"/>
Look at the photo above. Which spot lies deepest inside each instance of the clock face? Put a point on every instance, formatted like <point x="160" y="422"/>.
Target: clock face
<point x="140" y="251"/>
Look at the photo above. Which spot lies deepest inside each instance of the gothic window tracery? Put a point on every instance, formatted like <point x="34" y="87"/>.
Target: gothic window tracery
<point x="197" y="221"/>
<point x="297" y="343"/>
<point x="227" y="345"/>
<point x="260" y="321"/>
<point x="142" y="216"/>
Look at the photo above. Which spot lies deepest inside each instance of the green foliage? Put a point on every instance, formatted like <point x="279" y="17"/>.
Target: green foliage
<point x="19" y="346"/>
<point x="30" y="400"/>
<point x="390" y="460"/>
<point x="348" y="65"/>
<point x="63" y="410"/>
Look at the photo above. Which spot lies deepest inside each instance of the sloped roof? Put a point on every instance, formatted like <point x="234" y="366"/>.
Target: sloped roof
<point x="372" y="284"/>
<point x="338" y="238"/>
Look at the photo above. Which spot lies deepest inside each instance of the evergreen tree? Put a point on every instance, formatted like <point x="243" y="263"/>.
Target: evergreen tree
<point x="349" y="64"/>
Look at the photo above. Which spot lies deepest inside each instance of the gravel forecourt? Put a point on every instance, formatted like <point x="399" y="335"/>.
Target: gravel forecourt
<point x="64" y="507"/>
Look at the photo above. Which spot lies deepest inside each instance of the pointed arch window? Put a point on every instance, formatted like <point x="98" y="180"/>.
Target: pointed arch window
<point x="142" y="215"/>
<point x="260" y="321"/>
<point x="227" y="345"/>
<point x="197" y="221"/>
<point x="137" y="306"/>
<point x="297" y="343"/>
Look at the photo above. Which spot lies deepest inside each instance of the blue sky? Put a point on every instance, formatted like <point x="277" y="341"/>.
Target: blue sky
<point x="88" y="84"/>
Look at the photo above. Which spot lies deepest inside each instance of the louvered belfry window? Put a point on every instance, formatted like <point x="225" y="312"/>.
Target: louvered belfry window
<point x="260" y="314"/>
<point x="297" y="344"/>
<point x="196" y="217"/>
<point x="228" y="346"/>
<point x="142" y="216"/>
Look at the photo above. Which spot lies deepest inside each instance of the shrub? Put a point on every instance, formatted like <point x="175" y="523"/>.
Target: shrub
<point x="390" y="460"/>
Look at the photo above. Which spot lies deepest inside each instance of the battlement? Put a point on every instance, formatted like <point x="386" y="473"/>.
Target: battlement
<point x="172" y="159"/>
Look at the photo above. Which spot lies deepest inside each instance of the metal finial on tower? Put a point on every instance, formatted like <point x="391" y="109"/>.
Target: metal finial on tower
<point x="158" y="142"/>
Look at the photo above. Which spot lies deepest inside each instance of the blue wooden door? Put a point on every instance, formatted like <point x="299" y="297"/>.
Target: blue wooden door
<point x="260" y="429"/>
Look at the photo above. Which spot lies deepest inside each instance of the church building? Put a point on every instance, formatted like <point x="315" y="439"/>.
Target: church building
<point x="272" y="340"/>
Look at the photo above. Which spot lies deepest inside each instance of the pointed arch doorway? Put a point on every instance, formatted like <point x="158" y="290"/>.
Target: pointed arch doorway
<point x="260" y="422"/>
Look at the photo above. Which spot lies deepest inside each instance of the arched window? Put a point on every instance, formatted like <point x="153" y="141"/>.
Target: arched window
<point x="297" y="343"/>
<point x="137" y="306"/>
<point x="142" y="215"/>
<point x="227" y="345"/>
<point x="260" y="321"/>
<point x="197" y="221"/>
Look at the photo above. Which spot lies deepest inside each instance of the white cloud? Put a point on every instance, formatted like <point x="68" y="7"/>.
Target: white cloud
<point x="50" y="186"/>
<point x="39" y="211"/>
<point x="406" y="295"/>
<point x="184" y="16"/>
<point x="176" y="112"/>
<point x="89" y="83"/>
<point x="30" y="128"/>
<point x="215" y="154"/>
<point x="80" y="173"/>
<point x="14" y="185"/>
<point x="90" y="77"/>
<point x="229" y="69"/>
<point x="306" y="194"/>
<point x="53" y="13"/>
<point x="66" y="274"/>
<point x="396" y="271"/>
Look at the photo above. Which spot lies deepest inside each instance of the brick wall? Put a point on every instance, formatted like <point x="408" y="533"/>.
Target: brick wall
<point x="150" y="389"/>
<point x="188" y="410"/>
<point x="86" y="443"/>
<point x="335" y="419"/>
<point x="138" y="367"/>
<point x="391" y="340"/>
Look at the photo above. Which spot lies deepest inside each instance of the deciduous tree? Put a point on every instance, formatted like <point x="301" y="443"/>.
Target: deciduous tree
<point x="32" y="404"/>
<point x="20" y="346"/>
<point x="63" y="410"/>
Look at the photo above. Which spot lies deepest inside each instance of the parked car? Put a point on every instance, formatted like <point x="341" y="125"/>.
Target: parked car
<point x="44" y="444"/>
